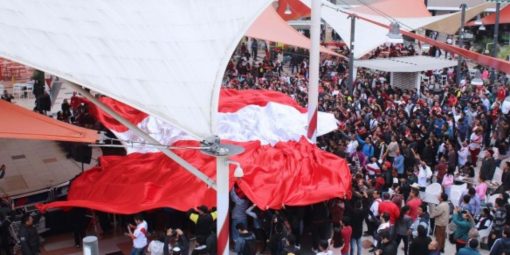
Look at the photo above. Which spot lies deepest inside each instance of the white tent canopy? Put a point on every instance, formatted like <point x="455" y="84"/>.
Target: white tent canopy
<point x="369" y="36"/>
<point x="405" y="64"/>
<point x="165" y="57"/>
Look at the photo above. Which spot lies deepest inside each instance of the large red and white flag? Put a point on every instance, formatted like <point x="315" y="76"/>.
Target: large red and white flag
<point x="244" y="115"/>
<point x="281" y="166"/>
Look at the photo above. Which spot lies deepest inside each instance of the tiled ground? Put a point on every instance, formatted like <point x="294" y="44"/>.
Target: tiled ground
<point x="64" y="245"/>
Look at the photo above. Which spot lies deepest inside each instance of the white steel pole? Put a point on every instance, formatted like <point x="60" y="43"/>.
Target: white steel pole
<point x="313" y="82"/>
<point x="222" y="200"/>
<point x="145" y="136"/>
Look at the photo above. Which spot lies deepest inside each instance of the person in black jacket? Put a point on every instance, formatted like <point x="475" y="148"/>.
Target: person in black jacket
<point x="211" y="242"/>
<point x="203" y="219"/>
<point x="357" y="216"/>
<point x="28" y="236"/>
<point x="246" y="243"/>
<point x="488" y="166"/>
<point x="5" y="236"/>
<point x="175" y="238"/>
<point x="386" y="246"/>
<point x="201" y="247"/>
<point x="502" y="245"/>
<point x="420" y="244"/>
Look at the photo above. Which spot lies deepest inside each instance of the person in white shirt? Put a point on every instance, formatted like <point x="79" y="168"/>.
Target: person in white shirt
<point x="138" y="235"/>
<point x="373" y="168"/>
<point x="476" y="140"/>
<point x="463" y="154"/>
<point x="373" y="214"/>
<point x="352" y="145"/>
<point x="324" y="248"/>
<point x="424" y="175"/>
<point x="374" y="208"/>
<point x="156" y="245"/>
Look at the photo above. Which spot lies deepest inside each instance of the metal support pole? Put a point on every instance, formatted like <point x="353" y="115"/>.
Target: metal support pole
<point x="313" y="83"/>
<point x="222" y="200"/>
<point x="90" y="245"/>
<point x="496" y="37"/>
<point x="350" y="82"/>
<point x="461" y="41"/>
<point x="146" y="137"/>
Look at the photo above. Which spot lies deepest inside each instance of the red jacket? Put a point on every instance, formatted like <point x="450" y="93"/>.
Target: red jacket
<point x="346" y="235"/>
<point x="391" y="209"/>
<point x="413" y="207"/>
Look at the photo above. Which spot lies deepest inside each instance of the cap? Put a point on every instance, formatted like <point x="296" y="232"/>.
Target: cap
<point x="415" y="186"/>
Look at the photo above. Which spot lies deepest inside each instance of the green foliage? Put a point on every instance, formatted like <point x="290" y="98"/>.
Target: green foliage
<point x="504" y="52"/>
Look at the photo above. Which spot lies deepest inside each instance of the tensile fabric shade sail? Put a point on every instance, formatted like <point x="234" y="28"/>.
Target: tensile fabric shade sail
<point x="271" y="27"/>
<point x="20" y="123"/>
<point x="395" y="8"/>
<point x="450" y="24"/>
<point x="164" y="57"/>
<point x="504" y="17"/>
<point x="496" y="63"/>
<point x="369" y="36"/>
<point x="289" y="172"/>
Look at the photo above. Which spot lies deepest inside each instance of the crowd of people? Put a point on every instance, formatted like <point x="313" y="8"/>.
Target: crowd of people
<point x="397" y="143"/>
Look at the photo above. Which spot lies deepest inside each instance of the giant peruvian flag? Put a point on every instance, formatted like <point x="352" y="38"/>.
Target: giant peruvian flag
<point x="281" y="166"/>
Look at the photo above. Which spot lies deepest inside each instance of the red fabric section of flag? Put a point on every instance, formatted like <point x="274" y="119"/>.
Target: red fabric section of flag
<point x="232" y="100"/>
<point x="290" y="173"/>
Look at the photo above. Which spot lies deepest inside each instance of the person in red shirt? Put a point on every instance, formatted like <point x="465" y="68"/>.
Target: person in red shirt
<point x="387" y="206"/>
<point x="414" y="202"/>
<point x="501" y="93"/>
<point x="379" y="182"/>
<point x="346" y="235"/>
<point x="452" y="100"/>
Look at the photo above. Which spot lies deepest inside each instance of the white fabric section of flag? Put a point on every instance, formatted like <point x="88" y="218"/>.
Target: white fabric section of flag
<point x="269" y="124"/>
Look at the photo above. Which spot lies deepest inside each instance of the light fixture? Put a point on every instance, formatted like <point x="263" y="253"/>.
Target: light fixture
<point x="478" y="21"/>
<point x="481" y="28"/>
<point x="287" y="11"/>
<point x="394" y="35"/>
<point x="238" y="172"/>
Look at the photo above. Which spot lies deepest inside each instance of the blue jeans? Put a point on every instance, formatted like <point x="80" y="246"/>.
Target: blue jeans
<point x="357" y="243"/>
<point x="233" y="230"/>
<point x="137" y="251"/>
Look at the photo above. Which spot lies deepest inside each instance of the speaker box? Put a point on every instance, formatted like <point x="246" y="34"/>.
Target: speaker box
<point x="82" y="153"/>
